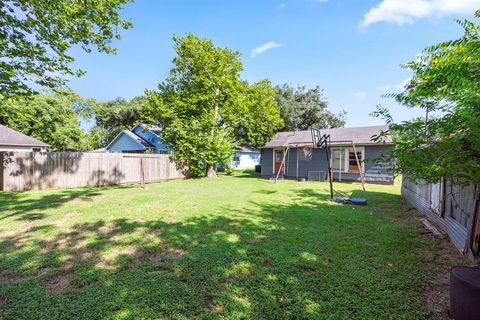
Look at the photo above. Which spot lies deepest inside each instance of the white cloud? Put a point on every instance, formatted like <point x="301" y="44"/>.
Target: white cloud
<point x="384" y="87"/>
<point x="264" y="47"/>
<point x="360" y="95"/>
<point x="282" y="6"/>
<point x="406" y="11"/>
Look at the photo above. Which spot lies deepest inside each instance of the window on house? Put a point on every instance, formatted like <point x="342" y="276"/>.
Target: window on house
<point x="36" y="149"/>
<point x="338" y="160"/>
<point x="352" y="161"/>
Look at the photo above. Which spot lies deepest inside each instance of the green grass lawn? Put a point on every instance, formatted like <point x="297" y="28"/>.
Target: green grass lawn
<point x="233" y="247"/>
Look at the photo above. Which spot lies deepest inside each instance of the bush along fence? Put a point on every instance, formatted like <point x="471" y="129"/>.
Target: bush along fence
<point x="453" y="208"/>
<point x="23" y="171"/>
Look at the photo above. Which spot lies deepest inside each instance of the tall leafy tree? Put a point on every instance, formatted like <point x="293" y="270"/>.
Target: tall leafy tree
<point x="197" y="106"/>
<point x="303" y="108"/>
<point x="261" y="118"/>
<point x="51" y="118"/>
<point x="445" y="84"/>
<point x="35" y="37"/>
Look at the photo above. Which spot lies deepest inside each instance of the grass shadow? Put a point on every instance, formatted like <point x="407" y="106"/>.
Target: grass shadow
<point x="301" y="257"/>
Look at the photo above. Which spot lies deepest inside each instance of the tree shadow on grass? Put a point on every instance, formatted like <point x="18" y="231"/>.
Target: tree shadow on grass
<point x="21" y="204"/>
<point x="305" y="259"/>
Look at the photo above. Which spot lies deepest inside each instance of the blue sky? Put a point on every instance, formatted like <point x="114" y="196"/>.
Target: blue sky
<point x="352" y="49"/>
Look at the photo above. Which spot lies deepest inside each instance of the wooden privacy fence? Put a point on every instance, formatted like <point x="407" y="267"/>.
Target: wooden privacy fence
<point x="454" y="208"/>
<point x="56" y="170"/>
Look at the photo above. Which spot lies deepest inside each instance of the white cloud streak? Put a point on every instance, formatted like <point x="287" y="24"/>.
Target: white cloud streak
<point x="407" y="11"/>
<point x="264" y="47"/>
<point x="360" y="95"/>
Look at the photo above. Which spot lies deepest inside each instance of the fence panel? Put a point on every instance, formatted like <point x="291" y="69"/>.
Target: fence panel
<point x="22" y="171"/>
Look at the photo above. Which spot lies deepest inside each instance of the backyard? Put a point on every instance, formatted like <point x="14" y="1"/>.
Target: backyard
<point x="233" y="247"/>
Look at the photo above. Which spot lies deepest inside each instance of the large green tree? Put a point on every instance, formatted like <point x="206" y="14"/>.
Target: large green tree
<point x="197" y="103"/>
<point x="204" y="108"/>
<point x="446" y="86"/>
<point x="35" y="38"/>
<point x="51" y="118"/>
<point x="303" y="109"/>
<point x="261" y="115"/>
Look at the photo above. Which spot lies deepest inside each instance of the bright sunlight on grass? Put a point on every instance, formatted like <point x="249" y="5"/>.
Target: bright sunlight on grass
<point x="233" y="247"/>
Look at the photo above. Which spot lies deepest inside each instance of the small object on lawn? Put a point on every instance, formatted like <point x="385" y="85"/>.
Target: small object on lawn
<point x="345" y="200"/>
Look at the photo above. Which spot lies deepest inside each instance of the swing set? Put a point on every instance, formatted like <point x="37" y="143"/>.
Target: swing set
<point x="323" y="141"/>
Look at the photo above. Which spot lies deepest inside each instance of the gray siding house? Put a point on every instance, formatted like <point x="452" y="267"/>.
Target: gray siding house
<point x="304" y="161"/>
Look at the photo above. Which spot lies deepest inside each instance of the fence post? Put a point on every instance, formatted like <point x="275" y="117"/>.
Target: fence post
<point x="2" y="165"/>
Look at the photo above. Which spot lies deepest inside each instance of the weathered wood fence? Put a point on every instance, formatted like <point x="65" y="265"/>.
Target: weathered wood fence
<point x="56" y="170"/>
<point x="454" y="208"/>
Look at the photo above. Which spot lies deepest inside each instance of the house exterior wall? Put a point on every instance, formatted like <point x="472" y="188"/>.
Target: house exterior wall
<point x="317" y="162"/>
<point x="151" y="137"/>
<point x="245" y="160"/>
<point x="124" y="143"/>
<point x="266" y="162"/>
<point x="21" y="148"/>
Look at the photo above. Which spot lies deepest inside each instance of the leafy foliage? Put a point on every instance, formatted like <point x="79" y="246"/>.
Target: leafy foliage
<point x="204" y="109"/>
<point x="36" y="36"/>
<point x="51" y="118"/>
<point x="305" y="108"/>
<point x="111" y="117"/>
<point x="445" y="82"/>
<point x="261" y="115"/>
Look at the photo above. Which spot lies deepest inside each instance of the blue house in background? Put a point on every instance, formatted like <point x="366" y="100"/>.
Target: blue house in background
<point x="141" y="139"/>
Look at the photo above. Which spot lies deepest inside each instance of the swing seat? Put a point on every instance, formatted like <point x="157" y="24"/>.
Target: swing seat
<point x="356" y="201"/>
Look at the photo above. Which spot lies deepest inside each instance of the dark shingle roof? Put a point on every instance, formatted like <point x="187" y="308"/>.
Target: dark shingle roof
<point x="359" y="135"/>
<point x="10" y="137"/>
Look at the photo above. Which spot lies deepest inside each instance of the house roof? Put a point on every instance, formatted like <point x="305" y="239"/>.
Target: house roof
<point x="338" y="136"/>
<point x="10" y="137"/>
<point x="150" y="127"/>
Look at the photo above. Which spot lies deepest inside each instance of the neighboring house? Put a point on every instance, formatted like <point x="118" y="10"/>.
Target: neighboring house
<point x="141" y="139"/>
<point x="245" y="157"/>
<point x="304" y="161"/>
<point x="11" y="140"/>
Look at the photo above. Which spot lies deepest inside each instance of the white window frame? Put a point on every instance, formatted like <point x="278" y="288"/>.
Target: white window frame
<point x="346" y="158"/>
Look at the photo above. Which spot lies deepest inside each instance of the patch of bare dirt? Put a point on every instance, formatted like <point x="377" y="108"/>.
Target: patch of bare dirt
<point x="59" y="283"/>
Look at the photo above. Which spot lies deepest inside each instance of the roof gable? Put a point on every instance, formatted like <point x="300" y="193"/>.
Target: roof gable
<point x="141" y="143"/>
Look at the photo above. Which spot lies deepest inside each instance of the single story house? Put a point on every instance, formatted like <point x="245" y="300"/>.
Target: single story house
<point x="141" y="139"/>
<point x="245" y="157"/>
<point x="11" y="140"/>
<point x="304" y="161"/>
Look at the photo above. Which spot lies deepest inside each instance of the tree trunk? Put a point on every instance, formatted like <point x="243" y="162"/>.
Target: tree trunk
<point x="211" y="173"/>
